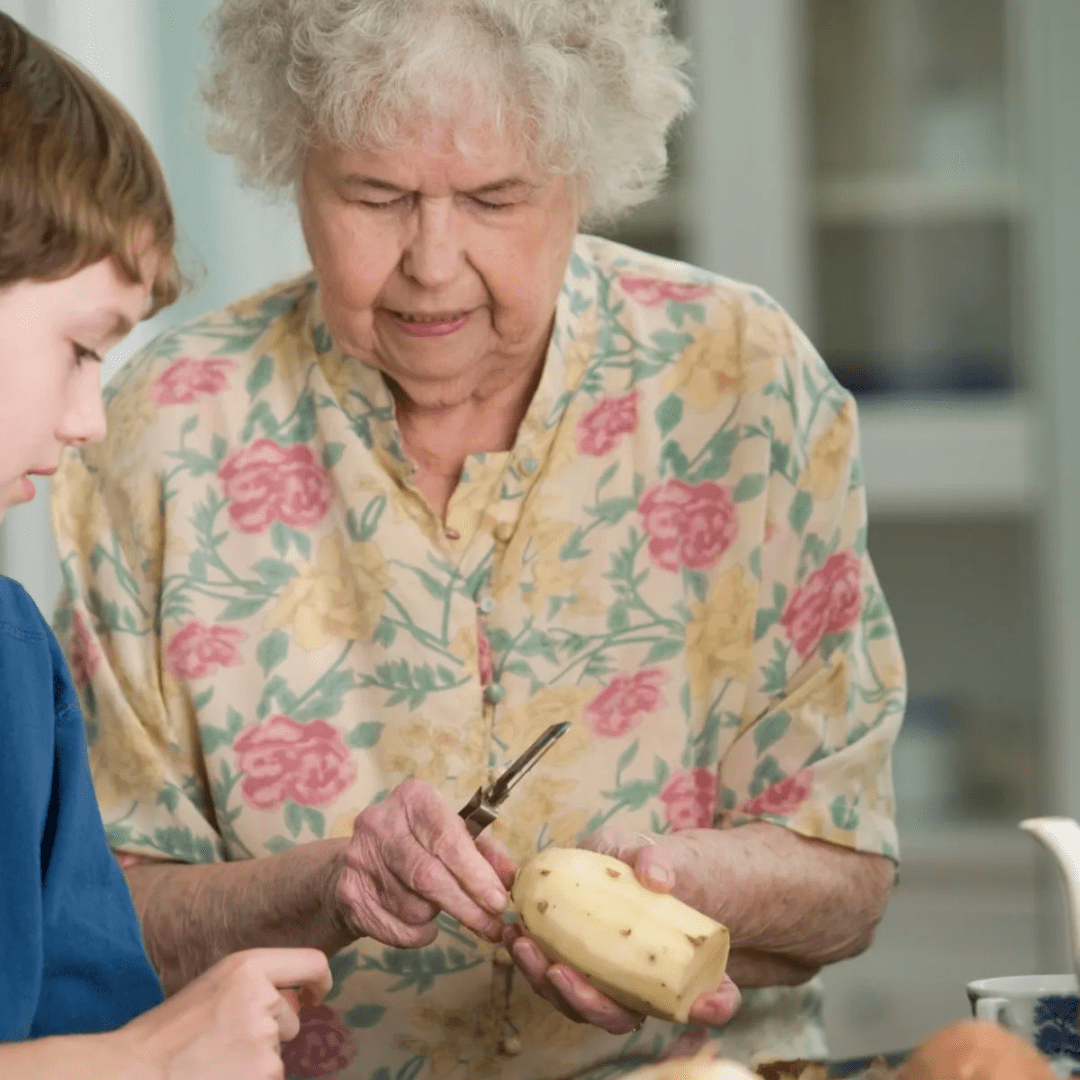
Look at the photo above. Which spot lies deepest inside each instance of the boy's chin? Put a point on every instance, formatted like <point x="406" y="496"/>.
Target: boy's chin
<point x="15" y="493"/>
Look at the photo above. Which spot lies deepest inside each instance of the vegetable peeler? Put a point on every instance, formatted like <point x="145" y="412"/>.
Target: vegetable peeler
<point x="483" y="808"/>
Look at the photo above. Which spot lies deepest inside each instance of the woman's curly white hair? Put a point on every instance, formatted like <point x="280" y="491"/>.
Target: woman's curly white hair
<point x="595" y="84"/>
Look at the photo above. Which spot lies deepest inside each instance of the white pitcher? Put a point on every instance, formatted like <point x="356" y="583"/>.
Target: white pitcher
<point x="1062" y="837"/>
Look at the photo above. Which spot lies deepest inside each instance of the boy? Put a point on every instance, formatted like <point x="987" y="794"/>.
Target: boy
<point x="86" y="251"/>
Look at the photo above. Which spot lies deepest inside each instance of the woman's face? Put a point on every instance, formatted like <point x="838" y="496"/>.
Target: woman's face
<point x="52" y="335"/>
<point x="440" y="268"/>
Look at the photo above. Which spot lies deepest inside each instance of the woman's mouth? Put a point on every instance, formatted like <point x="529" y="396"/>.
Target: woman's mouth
<point x="433" y="325"/>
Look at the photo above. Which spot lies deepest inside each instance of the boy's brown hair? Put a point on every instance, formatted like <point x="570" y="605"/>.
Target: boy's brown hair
<point x="78" y="180"/>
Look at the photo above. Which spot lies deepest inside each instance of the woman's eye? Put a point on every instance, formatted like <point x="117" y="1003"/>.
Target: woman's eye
<point x="386" y="204"/>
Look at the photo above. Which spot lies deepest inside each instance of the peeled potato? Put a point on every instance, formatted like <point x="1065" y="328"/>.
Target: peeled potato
<point x="648" y="951"/>
<point x="975" y="1050"/>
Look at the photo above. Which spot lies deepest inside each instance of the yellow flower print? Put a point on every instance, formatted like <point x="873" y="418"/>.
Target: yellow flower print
<point x="340" y="596"/>
<point x="441" y="755"/>
<point x="551" y="705"/>
<point x="125" y="762"/>
<point x="829" y="455"/>
<point x="342" y="827"/>
<point x="289" y="342"/>
<point x="538" y="803"/>
<point x="738" y="354"/>
<point x="580" y="352"/>
<point x="78" y="512"/>
<point x="721" y="632"/>
<point x="130" y="413"/>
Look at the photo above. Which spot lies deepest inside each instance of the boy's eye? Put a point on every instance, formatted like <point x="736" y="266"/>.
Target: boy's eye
<point x="82" y="354"/>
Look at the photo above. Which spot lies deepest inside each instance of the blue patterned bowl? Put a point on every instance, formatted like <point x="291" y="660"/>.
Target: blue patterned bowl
<point x="1044" y="1009"/>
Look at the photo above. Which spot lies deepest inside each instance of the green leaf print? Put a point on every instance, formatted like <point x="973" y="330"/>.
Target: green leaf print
<point x="364" y="1016"/>
<point x="775" y="671"/>
<point x="767" y="773"/>
<point x="618" y="618"/>
<point x="716" y="456"/>
<point x="342" y="965"/>
<point x="668" y="413"/>
<point x="332" y="453"/>
<point x="801" y="508"/>
<point x="201" y="700"/>
<point x="169" y="796"/>
<point x="214" y="738"/>
<point x="843" y="816"/>
<point x="613" y="511"/>
<point x="673" y="460"/>
<point x="272" y="650"/>
<point x="294" y="818"/>
<point x="189" y="425"/>
<point x="749" y="487"/>
<point x="664" y="650"/>
<point x="277" y="844"/>
<point x="262" y="416"/>
<point x="275" y="572"/>
<point x="235" y="610"/>
<point x="696" y="582"/>
<point x="279" y="537"/>
<point x="770" y="730"/>
<point x="316" y="821"/>
<point x="365" y="528"/>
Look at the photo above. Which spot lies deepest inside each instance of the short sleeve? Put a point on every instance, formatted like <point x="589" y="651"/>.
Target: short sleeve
<point x="143" y="742"/>
<point x="827" y="686"/>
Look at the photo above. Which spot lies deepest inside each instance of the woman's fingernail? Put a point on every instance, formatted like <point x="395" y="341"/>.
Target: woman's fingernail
<point x="495" y="900"/>
<point x="561" y="982"/>
<point x="660" y="876"/>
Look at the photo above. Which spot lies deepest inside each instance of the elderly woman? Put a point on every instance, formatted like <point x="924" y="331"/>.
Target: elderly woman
<point x="353" y="543"/>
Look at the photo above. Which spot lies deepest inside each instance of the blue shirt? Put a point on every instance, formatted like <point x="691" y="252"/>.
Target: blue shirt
<point x="71" y="952"/>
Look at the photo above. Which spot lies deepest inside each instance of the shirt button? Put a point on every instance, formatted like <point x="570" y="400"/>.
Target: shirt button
<point x="529" y="466"/>
<point x="451" y="534"/>
<point x="487" y="605"/>
<point x="503" y="531"/>
<point x="494" y="692"/>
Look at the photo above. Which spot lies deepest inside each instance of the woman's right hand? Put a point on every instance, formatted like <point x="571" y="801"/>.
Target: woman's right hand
<point x="410" y="857"/>
<point x="231" y="1021"/>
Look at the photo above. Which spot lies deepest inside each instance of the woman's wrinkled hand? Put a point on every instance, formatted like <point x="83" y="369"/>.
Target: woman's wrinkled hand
<point x="410" y="857"/>
<point x="570" y="993"/>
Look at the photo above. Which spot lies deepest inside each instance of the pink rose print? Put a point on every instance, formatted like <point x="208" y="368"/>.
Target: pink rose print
<point x="781" y="799"/>
<point x="266" y="482"/>
<point x="599" y="429"/>
<point x="828" y="602"/>
<point x="654" y="291"/>
<point x="483" y="656"/>
<point x="282" y="759"/>
<point x="198" y="650"/>
<point x="689" y="797"/>
<point x="85" y="654"/>
<point x="621" y="705"/>
<point x="183" y="382"/>
<point x="688" y="525"/>
<point x="323" y="1047"/>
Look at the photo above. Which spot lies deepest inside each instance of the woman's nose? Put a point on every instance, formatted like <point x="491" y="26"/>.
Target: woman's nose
<point x="83" y="420"/>
<point x="433" y="255"/>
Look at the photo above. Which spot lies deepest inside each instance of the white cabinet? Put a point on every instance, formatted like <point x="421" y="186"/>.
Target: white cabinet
<point x="902" y="176"/>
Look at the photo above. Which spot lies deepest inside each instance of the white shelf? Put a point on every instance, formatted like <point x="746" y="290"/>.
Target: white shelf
<point x="952" y="457"/>
<point x="915" y="199"/>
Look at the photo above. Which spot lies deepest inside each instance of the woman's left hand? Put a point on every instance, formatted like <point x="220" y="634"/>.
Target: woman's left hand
<point x="570" y="993"/>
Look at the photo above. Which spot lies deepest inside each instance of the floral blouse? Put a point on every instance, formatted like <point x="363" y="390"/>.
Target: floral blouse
<point x="271" y="629"/>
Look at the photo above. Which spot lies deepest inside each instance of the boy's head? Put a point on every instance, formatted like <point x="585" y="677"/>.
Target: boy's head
<point x="86" y="251"/>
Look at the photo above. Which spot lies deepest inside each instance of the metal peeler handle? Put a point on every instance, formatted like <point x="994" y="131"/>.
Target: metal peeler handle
<point x="483" y="808"/>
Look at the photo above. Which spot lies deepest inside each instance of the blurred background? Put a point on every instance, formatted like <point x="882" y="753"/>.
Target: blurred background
<point x="904" y="177"/>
